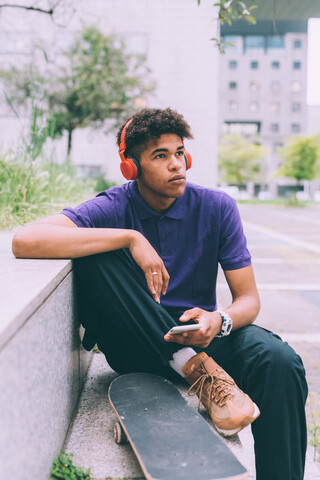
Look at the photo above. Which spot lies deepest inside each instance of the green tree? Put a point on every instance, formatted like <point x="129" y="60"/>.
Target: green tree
<point x="96" y="84"/>
<point x="301" y="158"/>
<point x="241" y="159"/>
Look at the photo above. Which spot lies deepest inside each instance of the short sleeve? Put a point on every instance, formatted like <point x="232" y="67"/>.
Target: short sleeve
<point x="95" y="213"/>
<point x="233" y="252"/>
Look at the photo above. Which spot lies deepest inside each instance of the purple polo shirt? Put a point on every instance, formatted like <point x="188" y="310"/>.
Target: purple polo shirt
<point x="200" y="229"/>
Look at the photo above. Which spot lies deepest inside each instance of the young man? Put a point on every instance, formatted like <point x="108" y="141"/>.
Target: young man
<point x="146" y="259"/>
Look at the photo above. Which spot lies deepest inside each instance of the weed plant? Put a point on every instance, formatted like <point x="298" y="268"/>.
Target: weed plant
<point x="313" y="413"/>
<point x="63" y="468"/>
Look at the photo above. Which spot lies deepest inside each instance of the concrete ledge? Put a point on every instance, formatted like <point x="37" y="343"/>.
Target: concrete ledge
<point x="42" y="365"/>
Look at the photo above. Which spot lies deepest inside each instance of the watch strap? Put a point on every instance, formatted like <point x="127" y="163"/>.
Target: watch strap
<point x="226" y="326"/>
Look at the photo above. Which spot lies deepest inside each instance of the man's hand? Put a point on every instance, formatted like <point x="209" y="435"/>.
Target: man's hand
<point x="210" y="326"/>
<point x="151" y="264"/>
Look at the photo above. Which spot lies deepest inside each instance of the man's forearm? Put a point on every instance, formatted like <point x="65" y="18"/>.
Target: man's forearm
<point x="55" y="241"/>
<point x="243" y="310"/>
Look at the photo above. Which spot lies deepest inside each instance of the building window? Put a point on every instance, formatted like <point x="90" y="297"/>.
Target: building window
<point x="233" y="106"/>
<point x="254" y="86"/>
<point x="275" y="87"/>
<point x="274" y="127"/>
<point x="254" y="65"/>
<point x="274" y="107"/>
<point x="254" y="43"/>
<point x="295" y="127"/>
<point x="296" y="65"/>
<point x="233" y="64"/>
<point x="241" y="128"/>
<point x="275" y="65"/>
<point x="296" y="107"/>
<point x="296" y="86"/>
<point x="253" y="107"/>
<point x="275" y="42"/>
<point x="233" y="44"/>
<point x="297" y="44"/>
<point x="233" y="85"/>
<point x="276" y="146"/>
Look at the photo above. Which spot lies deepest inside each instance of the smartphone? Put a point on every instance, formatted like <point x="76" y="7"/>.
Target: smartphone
<point x="184" y="328"/>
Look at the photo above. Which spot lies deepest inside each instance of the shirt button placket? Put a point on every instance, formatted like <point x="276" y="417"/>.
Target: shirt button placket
<point x="163" y="235"/>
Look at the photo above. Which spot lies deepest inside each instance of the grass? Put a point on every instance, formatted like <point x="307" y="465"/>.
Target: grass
<point x="29" y="190"/>
<point x="280" y="202"/>
<point x="313" y="414"/>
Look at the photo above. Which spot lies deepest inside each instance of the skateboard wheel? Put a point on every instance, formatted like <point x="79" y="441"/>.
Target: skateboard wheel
<point x="118" y="434"/>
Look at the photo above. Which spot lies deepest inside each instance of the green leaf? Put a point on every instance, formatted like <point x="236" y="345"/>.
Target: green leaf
<point x="250" y="19"/>
<point x="11" y="105"/>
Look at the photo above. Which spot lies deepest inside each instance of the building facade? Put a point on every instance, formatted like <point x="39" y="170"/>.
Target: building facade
<point x="263" y="84"/>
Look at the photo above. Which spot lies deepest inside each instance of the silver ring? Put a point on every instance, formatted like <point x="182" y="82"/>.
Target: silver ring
<point x="154" y="273"/>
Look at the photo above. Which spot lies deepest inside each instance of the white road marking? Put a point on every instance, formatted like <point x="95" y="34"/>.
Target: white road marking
<point x="281" y="286"/>
<point x="300" y="337"/>
<point x="281" y="236"/>
<point x="300" y="218"/>
<point x="272" y="261"/>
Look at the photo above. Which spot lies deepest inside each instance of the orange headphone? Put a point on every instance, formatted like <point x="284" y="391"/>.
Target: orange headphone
<point x="129" y="166"/>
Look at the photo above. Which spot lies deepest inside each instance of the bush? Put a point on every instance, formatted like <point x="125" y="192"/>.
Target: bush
<point x="103" y="184"/>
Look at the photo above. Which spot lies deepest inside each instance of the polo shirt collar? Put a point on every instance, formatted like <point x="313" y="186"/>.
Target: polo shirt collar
<point x="176" y="211"/>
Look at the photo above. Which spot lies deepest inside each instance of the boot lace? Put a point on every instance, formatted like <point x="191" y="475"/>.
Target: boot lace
<point x="219" y="389"/>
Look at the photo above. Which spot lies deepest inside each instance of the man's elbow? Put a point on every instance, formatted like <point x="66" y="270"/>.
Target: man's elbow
<point x="256" y="306"/>
<point x="23" y="243"/>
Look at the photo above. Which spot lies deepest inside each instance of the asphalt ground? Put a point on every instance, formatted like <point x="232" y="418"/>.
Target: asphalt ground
<point x="285" y="248"/>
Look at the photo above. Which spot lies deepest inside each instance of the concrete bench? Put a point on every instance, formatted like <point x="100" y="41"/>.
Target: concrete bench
<point x="42" y="366"/>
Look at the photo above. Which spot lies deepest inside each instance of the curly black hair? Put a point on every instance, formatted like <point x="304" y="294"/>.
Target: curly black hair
<point x="149" y="124"/>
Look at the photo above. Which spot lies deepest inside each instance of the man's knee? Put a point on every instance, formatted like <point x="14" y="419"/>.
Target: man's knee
<point x="279" y="363"/>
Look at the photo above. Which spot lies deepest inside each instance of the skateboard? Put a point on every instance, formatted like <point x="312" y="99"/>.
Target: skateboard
<point x="170" y="439"/>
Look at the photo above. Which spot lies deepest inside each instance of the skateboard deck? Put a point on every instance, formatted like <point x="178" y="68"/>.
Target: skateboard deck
<point x="170" y="439"/>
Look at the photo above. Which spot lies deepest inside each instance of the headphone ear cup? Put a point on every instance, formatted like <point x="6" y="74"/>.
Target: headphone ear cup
<point x="188" y="160"/>
<point x="130" y="168"/>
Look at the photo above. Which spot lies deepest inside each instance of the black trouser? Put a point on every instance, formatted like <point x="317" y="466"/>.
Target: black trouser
<point x="120" y="315"/>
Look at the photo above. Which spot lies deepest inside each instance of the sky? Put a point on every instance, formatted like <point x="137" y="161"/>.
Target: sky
<point x="313" y="85"/>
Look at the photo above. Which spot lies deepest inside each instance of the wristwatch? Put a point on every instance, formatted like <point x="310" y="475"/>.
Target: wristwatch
<point x="226" y="326"/>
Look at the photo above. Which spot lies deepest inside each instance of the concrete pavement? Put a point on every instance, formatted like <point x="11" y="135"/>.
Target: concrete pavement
<point x="285" y="246"/>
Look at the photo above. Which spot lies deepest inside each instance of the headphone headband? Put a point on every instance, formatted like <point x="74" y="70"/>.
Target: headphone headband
<point x="123" y="145"/>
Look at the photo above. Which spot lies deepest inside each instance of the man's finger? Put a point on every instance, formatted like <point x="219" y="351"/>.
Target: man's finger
<point x="193" y="313"/>
<point x="166" y="279"/>
<point x="150" y="283"/>
<point x="177" y="339"/>
<point x="157" y="283"/>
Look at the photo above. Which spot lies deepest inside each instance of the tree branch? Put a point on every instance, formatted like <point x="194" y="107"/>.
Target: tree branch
<point x="25" y="7"/>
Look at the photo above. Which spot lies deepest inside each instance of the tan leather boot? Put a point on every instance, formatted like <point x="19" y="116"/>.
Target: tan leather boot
<point x="230" y="409"/>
